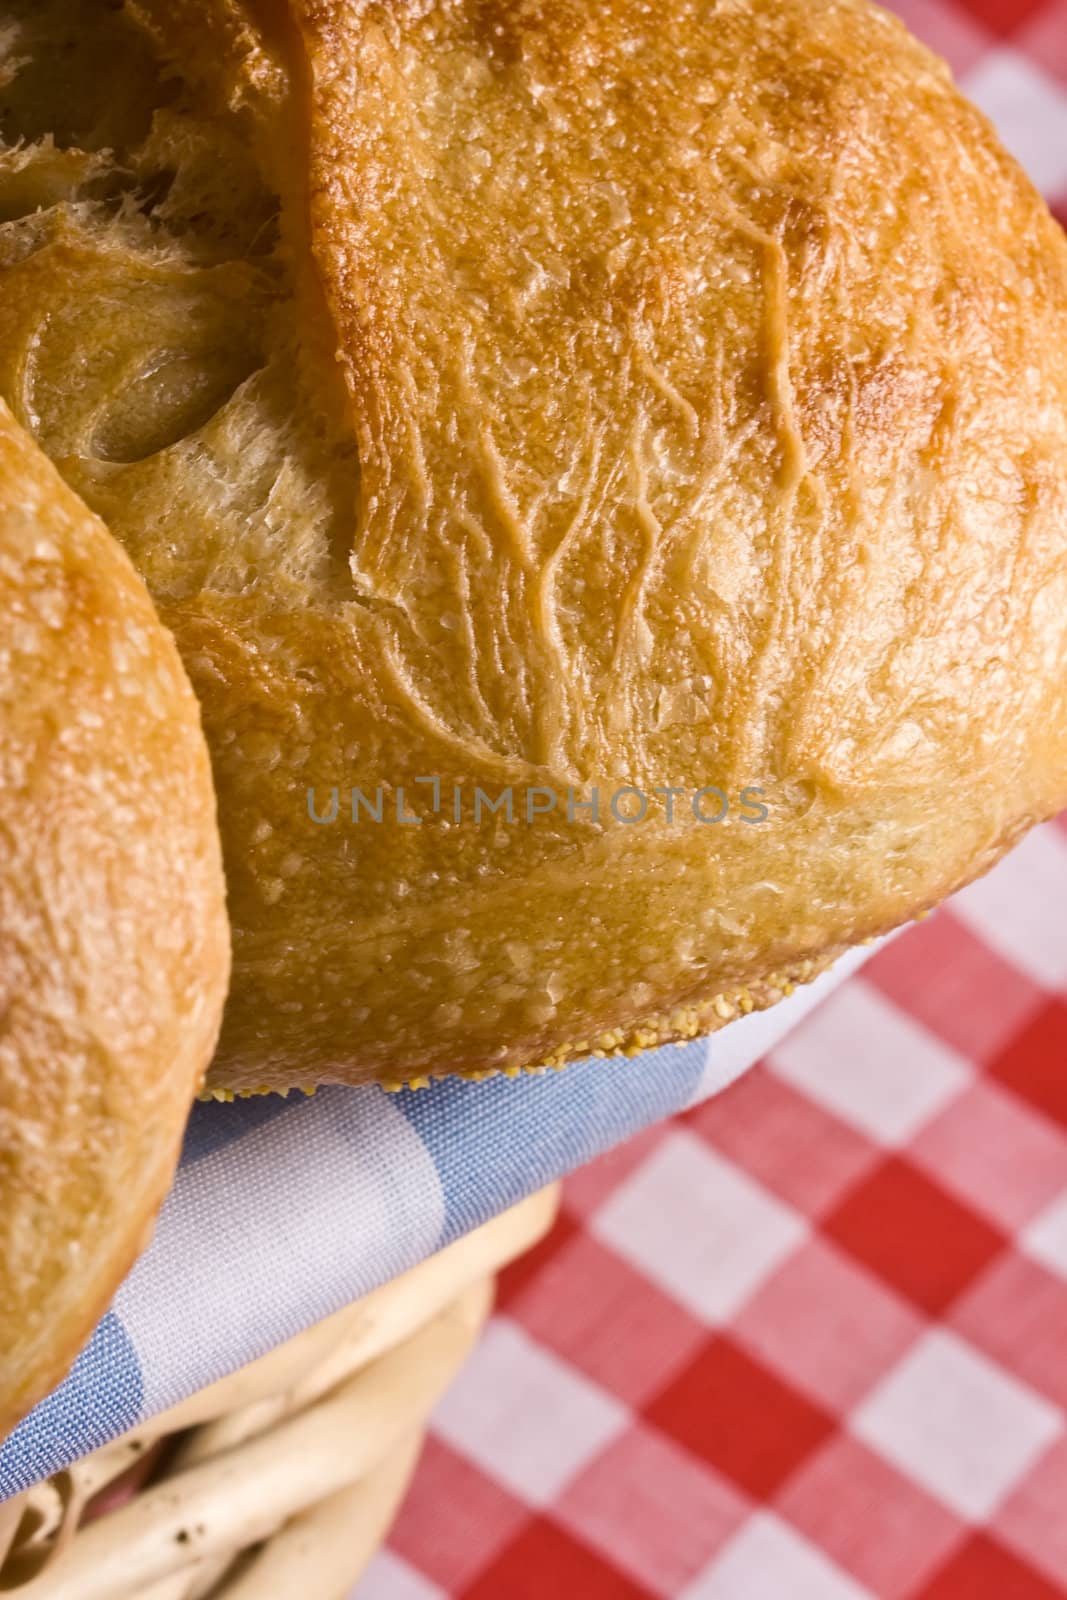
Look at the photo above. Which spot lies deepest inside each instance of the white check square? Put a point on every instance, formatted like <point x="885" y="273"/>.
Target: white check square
<point x="870" y="1064"/>
<point x="390" y="1578"/>
<point x="1046" y="1238"/>
<point x="768" y="1561"/>
<point x="1030" y="113"/>
<point x="732" y="1051"/>
<point x="958" y="1424"/>
<point x="699" y="1227"/>
<point x="525" y="1417"/>
<point x="1018" y="909"/>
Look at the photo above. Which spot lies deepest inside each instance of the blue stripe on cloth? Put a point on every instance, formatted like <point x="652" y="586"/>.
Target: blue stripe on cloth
<point x="495" y="1142"/>
<point x="286" y="1209"/>
<point x="274" y="1222"/>
<point x="100" y="1399"/>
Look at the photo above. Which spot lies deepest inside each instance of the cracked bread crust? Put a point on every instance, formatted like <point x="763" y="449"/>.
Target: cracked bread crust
<point x="610" y="396"/>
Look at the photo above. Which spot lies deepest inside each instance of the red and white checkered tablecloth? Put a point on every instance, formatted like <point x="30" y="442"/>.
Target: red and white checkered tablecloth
<point x="809" y="1342"/>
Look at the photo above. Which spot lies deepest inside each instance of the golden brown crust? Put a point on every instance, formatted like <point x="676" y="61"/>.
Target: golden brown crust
<point x="698" y="1020"/>
<point x="704" y="422"/>
<point x="113" y="940"/>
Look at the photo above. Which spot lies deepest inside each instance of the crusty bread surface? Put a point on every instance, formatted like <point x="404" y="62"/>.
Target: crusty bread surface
<point x="546" y="396"/>
<point x="114" y="950"/>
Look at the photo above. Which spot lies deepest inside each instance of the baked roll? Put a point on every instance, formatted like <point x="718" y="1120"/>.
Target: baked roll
<point x="114" y="950"/>
<point x="507" y="397"/>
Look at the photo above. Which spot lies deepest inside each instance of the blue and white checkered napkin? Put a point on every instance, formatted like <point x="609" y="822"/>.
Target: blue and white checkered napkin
<point x="286" y="1210"/>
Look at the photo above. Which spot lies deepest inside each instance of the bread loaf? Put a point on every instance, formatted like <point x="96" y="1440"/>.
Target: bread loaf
<point x="538" y="398"/>
<point x="114" y="953"/>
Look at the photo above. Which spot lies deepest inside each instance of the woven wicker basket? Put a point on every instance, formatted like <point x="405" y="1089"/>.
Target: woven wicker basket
<point x="283" y="1480"/>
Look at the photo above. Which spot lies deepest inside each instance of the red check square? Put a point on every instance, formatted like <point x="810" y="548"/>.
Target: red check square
<point x="1003" y="17"/>
<point x="912" y="1233"/>
<point x="546" y="1560"/>
<point x="984" y="1570"/>
<point x="1033" y="1065"/>
<point x="736" y="1414"/>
